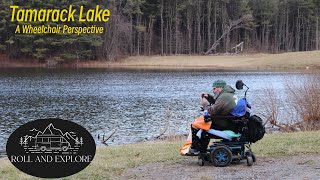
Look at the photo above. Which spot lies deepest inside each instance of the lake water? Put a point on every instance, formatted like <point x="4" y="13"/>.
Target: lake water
<point x="137" y="104"/>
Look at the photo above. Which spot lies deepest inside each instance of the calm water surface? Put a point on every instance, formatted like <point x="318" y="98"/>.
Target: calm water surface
<point x="137" y="104"/>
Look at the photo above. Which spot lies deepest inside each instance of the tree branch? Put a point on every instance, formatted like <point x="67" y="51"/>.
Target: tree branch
<point x="104" y="141"/>
<point x="233" y="25"/>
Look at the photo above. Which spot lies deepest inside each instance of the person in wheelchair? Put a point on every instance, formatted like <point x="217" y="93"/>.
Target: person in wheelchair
<point x="227" y="120"/>
<point x="219" y="108"/>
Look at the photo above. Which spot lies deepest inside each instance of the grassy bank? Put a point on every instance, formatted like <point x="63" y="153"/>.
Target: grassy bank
<point x="110" y="162"/>
<point x="285" y="61"/>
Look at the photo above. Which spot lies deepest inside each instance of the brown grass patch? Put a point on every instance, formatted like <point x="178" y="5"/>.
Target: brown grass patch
<point x="240" y="62"/>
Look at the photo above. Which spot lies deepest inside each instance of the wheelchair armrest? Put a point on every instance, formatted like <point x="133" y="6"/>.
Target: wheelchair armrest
<point x="227" y="118"/>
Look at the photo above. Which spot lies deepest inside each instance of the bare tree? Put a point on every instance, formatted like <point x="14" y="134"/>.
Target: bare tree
<point x="239" y="23"/>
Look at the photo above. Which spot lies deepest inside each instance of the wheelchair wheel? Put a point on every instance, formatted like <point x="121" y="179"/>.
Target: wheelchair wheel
<point x="249" y="160"/>
<point x="200" y="161"/>
<point x="221" y="156"/>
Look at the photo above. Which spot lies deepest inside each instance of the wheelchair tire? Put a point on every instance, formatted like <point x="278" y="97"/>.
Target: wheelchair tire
<point x="221" y="156"/>
<point x="249" y="160"/>
<point x="200" y="161"/>
<point x="254" y="158"/>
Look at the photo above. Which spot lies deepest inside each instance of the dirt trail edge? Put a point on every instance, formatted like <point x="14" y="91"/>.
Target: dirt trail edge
<point x="291" y="167"/>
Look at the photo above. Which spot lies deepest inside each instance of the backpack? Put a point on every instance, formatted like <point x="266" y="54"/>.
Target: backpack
<point x="255" y="130"/>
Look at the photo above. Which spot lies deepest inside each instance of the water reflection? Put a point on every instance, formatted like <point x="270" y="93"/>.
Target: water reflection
<point x="135" y="103"/>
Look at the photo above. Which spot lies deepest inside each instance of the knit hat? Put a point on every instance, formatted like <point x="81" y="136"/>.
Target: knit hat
<point x="219" y="83"/>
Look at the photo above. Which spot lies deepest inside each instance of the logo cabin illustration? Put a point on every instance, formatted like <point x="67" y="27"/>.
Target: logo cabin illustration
<point x="51" y="140"/>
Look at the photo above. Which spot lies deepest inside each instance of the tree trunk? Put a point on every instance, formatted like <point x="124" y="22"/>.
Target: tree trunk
<point x="151" y="23"/>
<point x="276" y="36"/>
<point x="194" y="37"/>
<point x="303" y="41"/>
<point x="161" y="24"/>
<point x="198" y="30"/>
<point x="262" y="34"/>
<point x="308" y="35"/>
<point x="209" y="23"/>
<point x="131" y="36"/>
<point x="166" y="37"/>
<point x="176" y="28"/>
<point x="145" y="39"/>
<point x="170" y="31"/>
<point x="189" y="25"/>
<point x="282" y="31"/>
<point x="267" y="39"/>
<point x="297" y="43"/>
<point x="225" y="25"/>
<point x="317" y="30"/>
<point x="215" y="23"/>
<point x="139" y="34"/>
<point x="287" y="28"/>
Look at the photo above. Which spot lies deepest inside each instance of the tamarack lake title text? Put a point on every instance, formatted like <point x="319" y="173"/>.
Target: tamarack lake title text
<point x="59" y="15"/>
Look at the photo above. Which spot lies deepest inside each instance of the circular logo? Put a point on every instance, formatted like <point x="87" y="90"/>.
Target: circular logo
<point x="51" y="148"/>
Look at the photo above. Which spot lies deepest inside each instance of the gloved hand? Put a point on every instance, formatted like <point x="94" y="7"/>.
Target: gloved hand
<point x="204" y="95"/>
<point x="206" y="116"/>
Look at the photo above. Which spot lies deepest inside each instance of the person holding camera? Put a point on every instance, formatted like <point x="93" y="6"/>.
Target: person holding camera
<point x="223" y="100"/>
<point x="221" y="103"/>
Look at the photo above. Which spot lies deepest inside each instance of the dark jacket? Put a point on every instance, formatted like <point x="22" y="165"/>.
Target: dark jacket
<point x="224" y="102"/>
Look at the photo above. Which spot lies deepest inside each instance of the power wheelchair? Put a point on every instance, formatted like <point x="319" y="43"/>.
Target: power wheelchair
<point x="226" y="149"/>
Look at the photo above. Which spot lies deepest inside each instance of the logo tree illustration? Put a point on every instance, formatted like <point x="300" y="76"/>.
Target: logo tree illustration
<point x="25" y="141"/>
<point x="77" y="141"/>
<point x="81" y="141"/>
<point x="21" y="141"/>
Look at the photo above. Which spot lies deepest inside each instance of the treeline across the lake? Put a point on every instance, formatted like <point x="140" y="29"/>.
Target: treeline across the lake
<point x="168" y="27"/>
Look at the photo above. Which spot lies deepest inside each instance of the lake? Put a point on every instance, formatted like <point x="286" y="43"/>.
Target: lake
<point x="135" y="104"/>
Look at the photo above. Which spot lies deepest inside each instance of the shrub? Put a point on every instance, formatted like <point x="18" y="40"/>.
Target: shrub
<point x="301" y="110"/>
<point x="305" y="100"/>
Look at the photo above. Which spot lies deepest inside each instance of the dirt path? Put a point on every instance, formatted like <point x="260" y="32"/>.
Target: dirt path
<point x="293" y="167"/>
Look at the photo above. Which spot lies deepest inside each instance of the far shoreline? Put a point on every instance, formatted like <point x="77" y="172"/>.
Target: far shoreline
<point x="294" y="61"/>
<point x="159" y="69"/>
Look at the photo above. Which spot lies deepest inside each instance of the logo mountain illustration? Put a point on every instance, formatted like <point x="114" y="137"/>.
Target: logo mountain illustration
<point x="51" y="138"/>
<point x="51" y="130"/>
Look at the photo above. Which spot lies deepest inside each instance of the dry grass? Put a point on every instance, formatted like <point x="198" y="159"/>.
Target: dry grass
<point x="285" y="61"/>
<point x="110" y="162"/>
<point x="287" y="144"/>
<point x="295" y="60"/>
